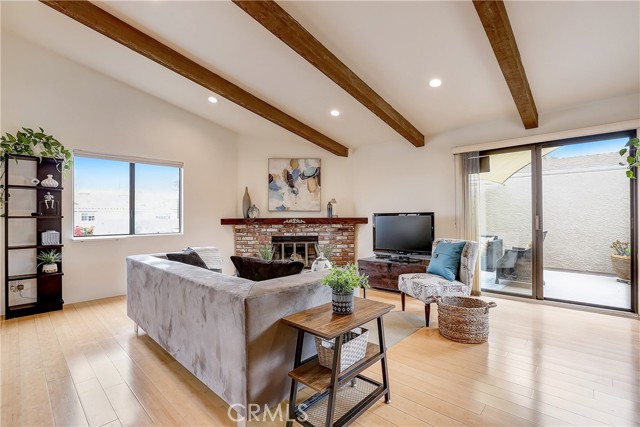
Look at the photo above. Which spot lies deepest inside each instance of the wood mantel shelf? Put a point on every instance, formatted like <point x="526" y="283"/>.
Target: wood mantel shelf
<point x="293" y="221"/>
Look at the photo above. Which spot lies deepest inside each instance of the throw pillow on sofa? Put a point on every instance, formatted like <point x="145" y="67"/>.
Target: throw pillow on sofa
<point x="211" y="257"/>
<point x="257" y="269"/>
<point x="188" y="256"/>
<point x="445" y="260"/>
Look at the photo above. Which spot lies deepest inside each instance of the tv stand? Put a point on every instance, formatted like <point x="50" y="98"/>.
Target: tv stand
<point x="383" y="272"/>
<point x="405" y="259"/>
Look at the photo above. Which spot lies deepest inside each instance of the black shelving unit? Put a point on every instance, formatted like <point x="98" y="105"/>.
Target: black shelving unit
<point x="48" y="285"/>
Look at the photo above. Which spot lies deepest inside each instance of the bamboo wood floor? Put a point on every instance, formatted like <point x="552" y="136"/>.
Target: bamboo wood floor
<point x="542" y="365"/>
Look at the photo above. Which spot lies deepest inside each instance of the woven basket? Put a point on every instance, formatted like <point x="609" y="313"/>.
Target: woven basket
<point x="464" y="319"/>
<point x="354" y="347"/>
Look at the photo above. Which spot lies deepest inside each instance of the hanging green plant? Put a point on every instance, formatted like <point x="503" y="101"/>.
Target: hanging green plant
<point x="632" y="156"/>
<point x="27" y="142"/>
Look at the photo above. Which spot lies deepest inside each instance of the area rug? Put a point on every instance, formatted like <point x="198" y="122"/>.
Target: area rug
<point x="397" y="326"/>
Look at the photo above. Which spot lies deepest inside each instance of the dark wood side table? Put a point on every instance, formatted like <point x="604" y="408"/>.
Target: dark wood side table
<point x="345" y="395"/>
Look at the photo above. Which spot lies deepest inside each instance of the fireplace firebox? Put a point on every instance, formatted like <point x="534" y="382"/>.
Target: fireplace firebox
<point x="295" y="248"/>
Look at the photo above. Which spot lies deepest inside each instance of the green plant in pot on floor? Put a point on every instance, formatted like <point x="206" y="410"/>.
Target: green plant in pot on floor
<point x="621" y="259"/>
<point x="343" y="281"/>
<point x="48" y="260"/>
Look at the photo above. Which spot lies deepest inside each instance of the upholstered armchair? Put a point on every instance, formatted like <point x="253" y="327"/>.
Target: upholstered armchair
<point x="426" y="286"/>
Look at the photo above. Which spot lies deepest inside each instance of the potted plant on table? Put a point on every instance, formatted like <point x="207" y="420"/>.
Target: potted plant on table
<point x="48" y="260"/>
<point x="621" y="259"/>
<point x="343" y="281"/>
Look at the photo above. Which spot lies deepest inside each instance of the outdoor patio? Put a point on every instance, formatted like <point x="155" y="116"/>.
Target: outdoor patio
<point x="600" y="289"/>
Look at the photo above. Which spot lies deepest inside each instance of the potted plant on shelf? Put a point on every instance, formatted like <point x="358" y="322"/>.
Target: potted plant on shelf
<point x="343" y="281"/>
<point x="48" y="260"/>
<point x="621" y="259"/>
<point x="27" y="142"/>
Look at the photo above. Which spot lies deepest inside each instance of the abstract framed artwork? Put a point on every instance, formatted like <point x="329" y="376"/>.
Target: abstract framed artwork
<point x="294" y="185"/>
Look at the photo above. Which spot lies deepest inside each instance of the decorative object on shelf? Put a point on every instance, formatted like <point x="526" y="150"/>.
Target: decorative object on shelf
<point x="334" y="208"/>
<point x="254" y="212"/>
<point x="49" y="182"/>
<point x="265" y="252"/>
<point x="631" y="161"/>
<point x="48" y="261"/>
<point x="246" y="203"/>
<point x="343" y="281"/>
<point x="50" y="237"/>
<point x="49" y="206"/>
<point x="354" y="347"/>
<point x="322" y="262"/>
<point x="294" y="185"/>
<point x="329" y="210"/>
<point x="48" y="200"/>
<point x="34" y="181"/>
<point x="27" y="142"/>
<point x="621" y="259"/>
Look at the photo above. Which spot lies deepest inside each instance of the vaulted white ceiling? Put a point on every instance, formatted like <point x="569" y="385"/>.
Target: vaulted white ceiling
<point x="573" y="53"/>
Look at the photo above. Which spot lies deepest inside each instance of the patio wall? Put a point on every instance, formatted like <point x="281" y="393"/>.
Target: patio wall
<point x="586" y="206"/>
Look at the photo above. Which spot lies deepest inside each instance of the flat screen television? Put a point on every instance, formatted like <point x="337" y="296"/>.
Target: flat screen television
<point x="403" y="234"/>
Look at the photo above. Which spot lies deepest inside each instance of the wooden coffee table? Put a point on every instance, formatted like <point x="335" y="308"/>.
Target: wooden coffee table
<point x="345" y="395"/>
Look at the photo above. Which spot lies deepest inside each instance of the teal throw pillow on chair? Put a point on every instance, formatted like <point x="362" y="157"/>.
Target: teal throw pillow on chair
<point x="445" y="260"/>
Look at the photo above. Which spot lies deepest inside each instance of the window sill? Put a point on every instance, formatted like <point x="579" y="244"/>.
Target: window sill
<point x="122" y="237"/>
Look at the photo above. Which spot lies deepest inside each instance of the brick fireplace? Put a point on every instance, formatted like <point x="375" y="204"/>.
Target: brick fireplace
<point x="338" y="232"/>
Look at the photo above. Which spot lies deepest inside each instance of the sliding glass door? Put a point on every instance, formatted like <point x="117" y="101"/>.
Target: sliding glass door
<point x="586" y="205"/>
<point x="556" y="222"/>
<point x="505" y="215"/>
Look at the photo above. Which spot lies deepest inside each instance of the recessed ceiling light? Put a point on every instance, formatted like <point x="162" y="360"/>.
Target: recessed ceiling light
<point x="212" y="99"/>
<point x="435" y="82"/>
<point x="335" y="113"/>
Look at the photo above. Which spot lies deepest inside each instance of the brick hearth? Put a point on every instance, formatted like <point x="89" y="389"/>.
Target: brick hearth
<point x="339" y="232"/>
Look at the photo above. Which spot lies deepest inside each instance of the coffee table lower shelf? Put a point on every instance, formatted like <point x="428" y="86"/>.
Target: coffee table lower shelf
<point x="351" y="401"/>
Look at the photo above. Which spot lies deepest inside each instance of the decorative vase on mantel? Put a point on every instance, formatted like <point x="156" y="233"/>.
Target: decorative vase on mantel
<point x="253" y="212"/>
<point x="246" y="203"/>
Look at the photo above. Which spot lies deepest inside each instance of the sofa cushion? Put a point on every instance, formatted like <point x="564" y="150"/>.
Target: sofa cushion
<point x="211" y="256"/>
<point x="187" y="256"/>
<point x="426" y="287"/>
<point x="445" y="260"/>
<point x="257" y="269"/>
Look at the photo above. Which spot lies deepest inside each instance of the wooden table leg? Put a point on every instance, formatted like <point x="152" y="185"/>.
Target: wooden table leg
<point x="383" y="361"/>
<point x="335" y="373"/>
<point x="294" y="384"/>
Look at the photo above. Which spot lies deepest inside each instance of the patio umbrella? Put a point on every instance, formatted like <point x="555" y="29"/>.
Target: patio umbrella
<point x="504" y="166"/>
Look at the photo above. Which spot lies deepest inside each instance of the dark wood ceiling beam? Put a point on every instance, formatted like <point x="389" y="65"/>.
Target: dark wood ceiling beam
<point x="495" y="21"/>
<point x="275" y="19"/>
<point x="101" y="21"/>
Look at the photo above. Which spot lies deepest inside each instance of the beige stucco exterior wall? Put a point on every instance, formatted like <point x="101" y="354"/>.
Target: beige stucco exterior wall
<point x="586" y="207"/>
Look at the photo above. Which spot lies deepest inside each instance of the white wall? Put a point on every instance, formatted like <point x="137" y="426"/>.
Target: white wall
<point x="89" y="111"/>
<point x="253" y="155"/>
<point x="397" y="177"/>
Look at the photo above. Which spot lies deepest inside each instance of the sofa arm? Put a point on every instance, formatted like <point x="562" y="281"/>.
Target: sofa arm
<point x="271" y="344"/>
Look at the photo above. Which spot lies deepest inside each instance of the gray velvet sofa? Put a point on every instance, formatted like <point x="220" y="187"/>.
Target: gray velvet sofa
<point x="223" y="329"/>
